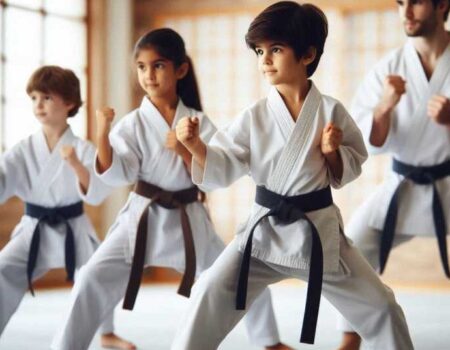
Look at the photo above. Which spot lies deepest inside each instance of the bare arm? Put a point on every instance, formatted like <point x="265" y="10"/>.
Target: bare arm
<point x="187" y="133"/>
<point x="105" y="117"/>
<point x="187" y="158"/>
<point x="173" y="144"/>
<point x="68" y="154"/>
<point x="380" y="126"/>
<point x="394" y="88"/>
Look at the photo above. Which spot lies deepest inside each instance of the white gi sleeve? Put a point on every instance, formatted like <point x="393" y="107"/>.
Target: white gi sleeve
<point x="352" y="150"/>
<point x="127" y="155"/>
<point x="367" y="97"/>
<point x="97" y="190"/>
<point x="13" y="171"/>
<point x="227" y="156"/>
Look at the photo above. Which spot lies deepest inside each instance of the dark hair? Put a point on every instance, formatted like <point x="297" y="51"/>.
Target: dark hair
<point x="436" y="2"/>
<point x="59" y="81"/>
<point x="169" y="44"/>
<point x="298" y="26"/>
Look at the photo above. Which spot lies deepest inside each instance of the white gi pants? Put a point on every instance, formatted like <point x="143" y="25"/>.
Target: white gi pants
<point x="356" y="291"/>
<point x="13" y="274"/>
<point x="367" y="240"/>
<point x="102" y="283"/>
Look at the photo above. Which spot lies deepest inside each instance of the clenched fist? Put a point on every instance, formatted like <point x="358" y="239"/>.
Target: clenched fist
<point x="393" y="89"/>
<point x="331" y="139"/>
<point x="439" y="109"/>
<point x="67" y="152"/>
<point x="105" y="117"/>
<point x="188" y="132"/>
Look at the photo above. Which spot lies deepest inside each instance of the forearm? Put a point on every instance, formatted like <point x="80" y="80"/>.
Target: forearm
<point x="104" y="153"/>
<point x="187" y="158"/>
<point x="335" y="164"/>
<point x="380" y="126"/>
<point x="82" y="174"/>
<point x="198" y="152"/>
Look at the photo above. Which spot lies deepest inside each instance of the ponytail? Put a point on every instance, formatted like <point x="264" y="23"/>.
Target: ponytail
<point x="187" y="88"/>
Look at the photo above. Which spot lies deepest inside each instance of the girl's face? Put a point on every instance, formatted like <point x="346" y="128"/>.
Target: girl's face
<point x="157" y="75"/>
<point x="50" y="108"/>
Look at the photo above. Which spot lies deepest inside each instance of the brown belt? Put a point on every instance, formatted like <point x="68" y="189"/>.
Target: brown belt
<point x="168" y="200"/>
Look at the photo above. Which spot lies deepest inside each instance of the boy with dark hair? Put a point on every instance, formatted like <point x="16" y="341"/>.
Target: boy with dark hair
<point x="51" y="172"/>
<point x="295" y="144"/>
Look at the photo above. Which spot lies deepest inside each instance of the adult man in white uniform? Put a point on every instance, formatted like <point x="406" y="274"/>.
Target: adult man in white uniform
<point x="403" y="108"/>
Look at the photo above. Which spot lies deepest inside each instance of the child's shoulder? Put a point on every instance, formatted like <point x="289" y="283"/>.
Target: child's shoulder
<point x="254" y="114"/>
<point x="22" y="147"/>
<point x="80" y="142"/>
<point x="330" y="101"/>
<point x="26" y="141"/>
<point x="128" y="121"/>
<point x="255" y="109"/>
<point x="257" y="105"/>
<point x="130" y="117"/>
<point x="82" y="145"/>
<point x="331" y="106"/>
<point x="25" y="144"/>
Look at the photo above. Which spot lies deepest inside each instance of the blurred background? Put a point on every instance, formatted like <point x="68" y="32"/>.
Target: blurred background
<point x="95" y="39"/>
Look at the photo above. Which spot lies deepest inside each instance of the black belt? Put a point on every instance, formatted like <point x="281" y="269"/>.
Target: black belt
<point x="288" y="210"/>
<point x="421" y="176"/>
<point x="52" y="217"/>
<point x="168" y="200"/>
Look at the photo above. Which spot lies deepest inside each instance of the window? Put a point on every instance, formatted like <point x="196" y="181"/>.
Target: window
<point x="35" y="33"/>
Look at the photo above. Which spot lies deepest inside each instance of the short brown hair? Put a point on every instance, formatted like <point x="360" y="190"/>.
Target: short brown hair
<point x="59" y="81"/>
<point x="436" y="3"/>
<point x="298" y="26"/>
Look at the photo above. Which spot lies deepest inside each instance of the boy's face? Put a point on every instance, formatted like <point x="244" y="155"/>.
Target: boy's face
<point x="50" y="108"/>
<point x="157" y="75"/>
<point x="278" y="63"/>
<point x="419" y="17"/>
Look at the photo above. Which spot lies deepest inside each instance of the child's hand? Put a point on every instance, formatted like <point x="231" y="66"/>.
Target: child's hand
<point x="393" y="89"/>
<point x="173" y="144"/>
<point x="105" y="117"/>
<point x="67" y="152"/>
<point x="331" y="139"/>
<point x="187" y="131"/>
<point x="439" y="109"/>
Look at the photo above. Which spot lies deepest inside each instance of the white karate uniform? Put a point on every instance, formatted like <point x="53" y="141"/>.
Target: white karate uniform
<point x="139" y="154"/>
<point x="36" y="175"/>
<point x="284" y="156"/>
<point x="413" y="138"/>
